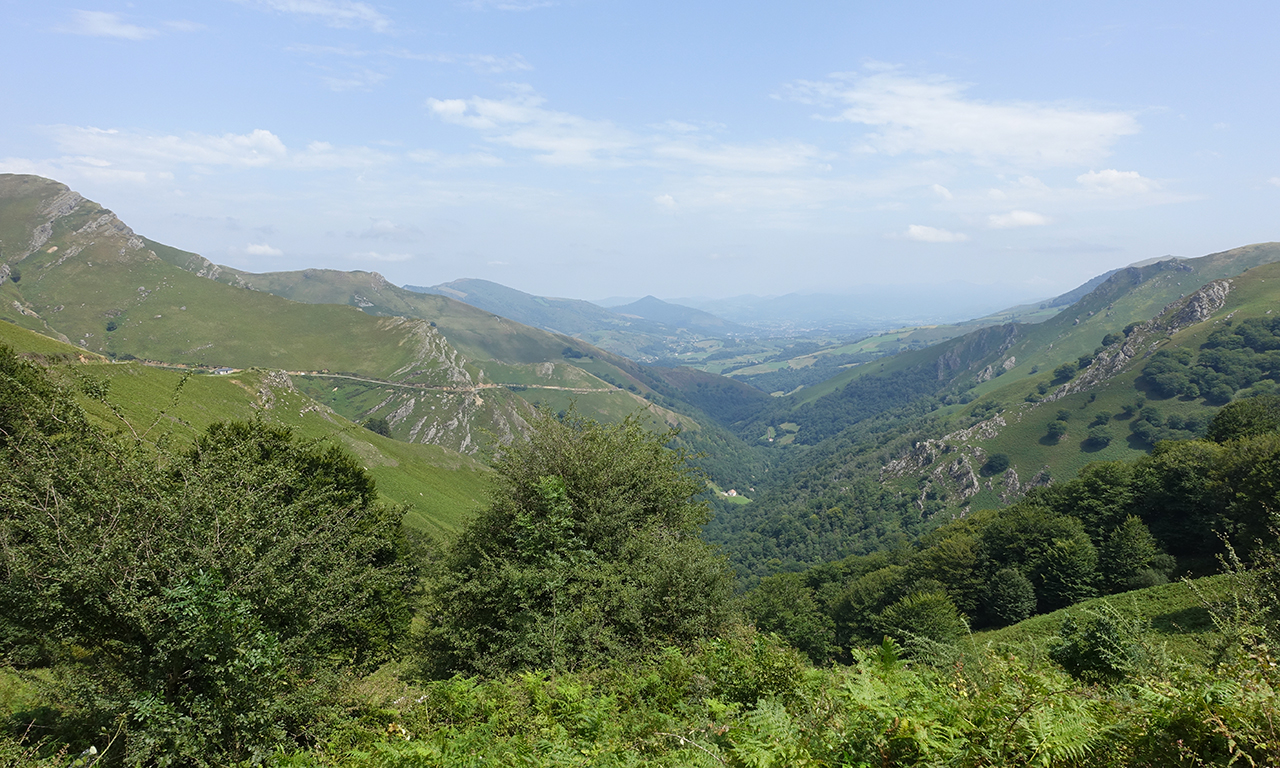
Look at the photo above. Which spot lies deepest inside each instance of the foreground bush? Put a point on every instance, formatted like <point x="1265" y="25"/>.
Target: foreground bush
<point x="194" y="605"/>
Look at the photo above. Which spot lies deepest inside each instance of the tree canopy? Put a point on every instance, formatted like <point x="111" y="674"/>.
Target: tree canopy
<point x="187" y="591"/>
<point x="589" y="551"/>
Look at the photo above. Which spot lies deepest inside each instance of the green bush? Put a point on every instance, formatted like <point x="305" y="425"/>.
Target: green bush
<point x="589" y="552"/>
<point x="1102" y="646"/>
<point x="927" y="616"/>
<point x="1010" y="597"/>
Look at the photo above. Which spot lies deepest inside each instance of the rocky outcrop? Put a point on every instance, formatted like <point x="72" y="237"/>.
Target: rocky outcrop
<point x="1142" y="339"/>
<point x="969" y="350"/>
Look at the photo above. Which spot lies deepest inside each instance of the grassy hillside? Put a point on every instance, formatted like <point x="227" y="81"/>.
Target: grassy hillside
<point x="1179" y="617"/>
<point x="449" y="373"/>
<point x="165" y="405"/>
<point x="911" y="435"/>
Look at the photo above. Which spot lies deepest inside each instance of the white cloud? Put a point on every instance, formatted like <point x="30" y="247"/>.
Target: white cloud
<point x="666" y="201"/>
<point x="480" y="62"/>
<point x="942" y="192"/>
<point x="924" y="234"/>
<point x="508" y="5"/>
<point x="1017" y="219"/>
<point x="103" y="24"/>
<point x="932" y="115"/>
<point x="256" y="149"/>
<point x="1113" y="182"/>
<point x="767" y="159"/>
<point x="521" y="122"/>
<point x="1274" y="180"/>
<point x="184" y="26"/>
<point x="385" y="229"/>
<point x="469" y="160"/>
<point x="343" y="14"/>
<point x="561" y="138"/>
<point x="262" y="249"/>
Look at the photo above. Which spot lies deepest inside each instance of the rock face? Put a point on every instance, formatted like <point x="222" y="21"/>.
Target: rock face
<point x="1181" y="314"/>
<point x="953" y="458"/>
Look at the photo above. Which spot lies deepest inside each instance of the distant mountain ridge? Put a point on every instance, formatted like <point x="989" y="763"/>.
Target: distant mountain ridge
<point x="643" y="330"/>
<point x="679" y="316"/>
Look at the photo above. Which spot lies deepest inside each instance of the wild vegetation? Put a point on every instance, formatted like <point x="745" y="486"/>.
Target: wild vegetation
<point x="226" y="637"/>
<point x="995" y="549"/>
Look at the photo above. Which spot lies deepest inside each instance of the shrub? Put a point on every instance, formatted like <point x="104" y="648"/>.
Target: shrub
<point x="1065" y="372"/>
<point x="1010" y="597"/>
<point x="588" y="552"/>
<point x="995" y="464"/>
<point x="928" y="616"/>
<point x="1102" y="645"/>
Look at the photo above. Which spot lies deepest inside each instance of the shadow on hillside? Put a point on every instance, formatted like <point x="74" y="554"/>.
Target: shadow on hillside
<point x="1185" y="621"/>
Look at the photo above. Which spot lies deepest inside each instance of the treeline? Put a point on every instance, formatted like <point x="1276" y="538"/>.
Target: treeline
<point x="1118" y="526"/>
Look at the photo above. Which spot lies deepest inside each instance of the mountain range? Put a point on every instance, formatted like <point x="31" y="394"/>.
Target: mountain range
<point x="874" y="448"/>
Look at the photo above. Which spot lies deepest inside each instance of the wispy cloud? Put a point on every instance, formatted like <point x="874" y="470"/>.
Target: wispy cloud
<point x="343" y="14"/>
<point x="262" y="249"/>
<point x="104" y="24"/>
<point x="1014" y="219"/>
<point x="480" y="62"/>
<point x="746" y="159"/>
<point x="934" y="115"/>
<point x="1113" y="182"/>
<point x="924" y="234"/>
<point x="360" y="80"/>
<point x="379" y="256"/>
<point x="524" y="122"/>
<point x="558" y="138"/>
<point x="385" y="229"/>
<point x="1274" y="180"/>
<point x="159" y="153"/>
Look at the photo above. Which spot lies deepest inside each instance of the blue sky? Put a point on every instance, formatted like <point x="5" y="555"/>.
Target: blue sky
<point x="589" y="148"/>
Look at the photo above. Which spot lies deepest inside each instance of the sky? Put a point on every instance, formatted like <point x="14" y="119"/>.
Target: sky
<point x="594" y="148"/>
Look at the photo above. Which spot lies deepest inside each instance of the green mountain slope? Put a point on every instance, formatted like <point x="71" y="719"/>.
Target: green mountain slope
<point x="923" y="427"/>
<point x="438" y="370"/>
<point x="971" y="365"/>
<point x="163" y="405"/>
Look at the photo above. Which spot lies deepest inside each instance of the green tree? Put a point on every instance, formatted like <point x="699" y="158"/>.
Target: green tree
<point x="589" y="551"/>
<point x="784" y="605"/>
<point x="930" y="616"/>
<point x="1245" y="418"/>
<point x="1069" y="572"/>
<point x="379" y="425"/>
<point x="1057" y="428"/>
<point x="1065" y="372"/>
<point x="995" y="464"/>
<point x="1010" y="597"/>
<point x="1130" y="558"/>
<point x="1099" y="437"/>
<point x="191" y="592"/>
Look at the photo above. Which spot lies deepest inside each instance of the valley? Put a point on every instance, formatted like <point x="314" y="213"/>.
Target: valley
<point x="867" y="508"/>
